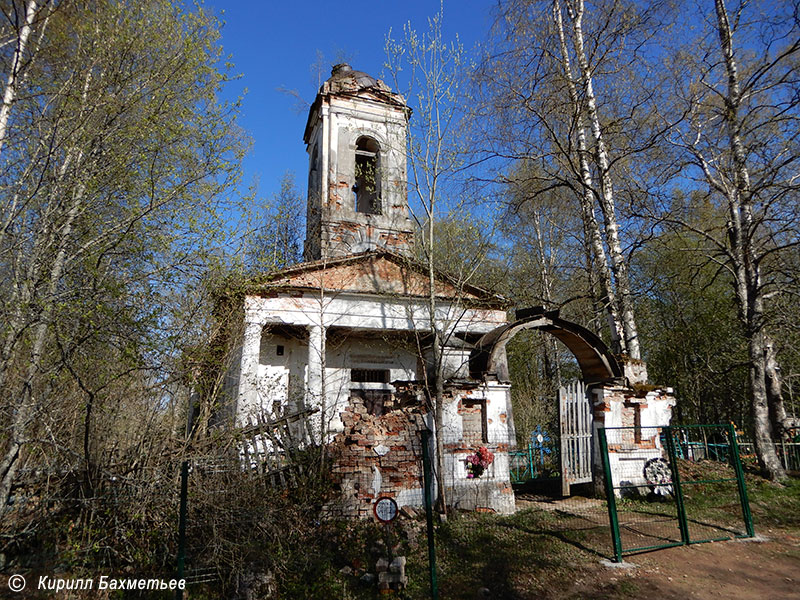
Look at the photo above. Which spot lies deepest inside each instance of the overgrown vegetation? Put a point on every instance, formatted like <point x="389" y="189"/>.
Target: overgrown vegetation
<point x="116" y="160"/>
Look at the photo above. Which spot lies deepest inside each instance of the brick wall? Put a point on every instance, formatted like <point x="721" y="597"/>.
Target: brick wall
<point x="394" y="470"/>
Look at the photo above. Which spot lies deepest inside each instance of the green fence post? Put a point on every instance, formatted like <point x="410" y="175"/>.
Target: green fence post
<point x="737" y="466"/>
<point x="428" y="483"/>
<point x="683" y="524"/>
<point x="182" y="526"/>
<point x="530" y="459"/>
<point x="611" y="499"/>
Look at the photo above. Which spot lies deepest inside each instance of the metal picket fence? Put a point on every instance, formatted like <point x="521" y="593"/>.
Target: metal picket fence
<point x="787" y="447"/>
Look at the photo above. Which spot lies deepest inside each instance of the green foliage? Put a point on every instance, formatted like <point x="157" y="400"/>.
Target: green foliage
<point x="693" y="339"/>
<point x="463" y="249"/>
<point x="277" y="241"/>
<point x="114" y="176"/>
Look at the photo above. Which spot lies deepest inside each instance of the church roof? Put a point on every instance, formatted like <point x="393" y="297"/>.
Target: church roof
<point x="344" y="79"/>
<point x="373" y="272"/>
<point x="347" y="82"/>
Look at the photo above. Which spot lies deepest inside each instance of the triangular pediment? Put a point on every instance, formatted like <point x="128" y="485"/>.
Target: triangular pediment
<point x="374" y="272"/>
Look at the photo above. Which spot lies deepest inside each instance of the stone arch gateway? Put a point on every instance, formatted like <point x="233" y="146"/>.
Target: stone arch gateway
<point x="609" y="399"/>
<point x="597" y="364"/>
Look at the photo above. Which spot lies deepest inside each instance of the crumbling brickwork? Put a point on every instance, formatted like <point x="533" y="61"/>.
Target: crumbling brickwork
<point x="378" y="456"/>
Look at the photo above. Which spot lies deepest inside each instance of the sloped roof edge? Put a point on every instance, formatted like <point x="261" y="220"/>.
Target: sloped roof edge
<point x="403" y="261"/>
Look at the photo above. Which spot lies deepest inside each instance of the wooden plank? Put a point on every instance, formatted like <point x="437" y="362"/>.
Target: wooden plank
<point x="563" y="443"/>
<point x="575" y="425"/>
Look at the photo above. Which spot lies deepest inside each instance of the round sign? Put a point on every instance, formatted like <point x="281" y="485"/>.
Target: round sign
<point x="540" y="438"/>
<point x="385" y="509"/>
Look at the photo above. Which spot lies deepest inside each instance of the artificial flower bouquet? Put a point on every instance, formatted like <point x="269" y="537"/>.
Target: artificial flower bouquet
<point x="478" y="462"/>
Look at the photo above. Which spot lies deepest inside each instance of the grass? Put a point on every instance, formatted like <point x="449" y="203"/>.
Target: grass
<point x="517" y="556"/>
<point x="774" y="504"/>
<point x="532" y="554"/>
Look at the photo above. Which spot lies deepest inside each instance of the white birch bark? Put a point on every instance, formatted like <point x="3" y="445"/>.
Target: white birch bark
<point x="26" y="404"/>
<point x="10" y="91"/>
<point x="575" y="10"/>
<point x="746" y="266"/>
<point x="587" y="197"/>
<point x="55" y="231"/>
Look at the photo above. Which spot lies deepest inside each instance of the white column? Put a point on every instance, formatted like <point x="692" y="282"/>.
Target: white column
<point x="314" y="377"/>
<point x="248" y="377"/>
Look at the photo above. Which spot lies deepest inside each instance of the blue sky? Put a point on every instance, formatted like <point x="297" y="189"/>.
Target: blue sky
<point x="274" y="44"/>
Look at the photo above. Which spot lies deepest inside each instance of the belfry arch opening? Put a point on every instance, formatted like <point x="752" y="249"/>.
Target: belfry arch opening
<point x="367" y="186"/>
<point x="596" y="363"/>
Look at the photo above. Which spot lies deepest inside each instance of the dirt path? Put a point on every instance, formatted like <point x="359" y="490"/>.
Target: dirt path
<point x="768" y="570"/>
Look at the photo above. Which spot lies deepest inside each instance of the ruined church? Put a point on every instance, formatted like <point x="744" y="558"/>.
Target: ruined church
<point x="346" y="335"/>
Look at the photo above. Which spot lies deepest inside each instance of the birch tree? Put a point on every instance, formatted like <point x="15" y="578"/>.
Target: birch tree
<point x="19" y="22"/>
<point x="576" y="11"/>
<point x="740" y="142"/>
<point x="541" y="104"/>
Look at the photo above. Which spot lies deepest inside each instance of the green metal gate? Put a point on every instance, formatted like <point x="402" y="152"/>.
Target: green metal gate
<point x="670" y="486"/>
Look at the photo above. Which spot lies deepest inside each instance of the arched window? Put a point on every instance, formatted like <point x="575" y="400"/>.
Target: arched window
<point x="367" y="187"/>
<point x="313" y="171"/>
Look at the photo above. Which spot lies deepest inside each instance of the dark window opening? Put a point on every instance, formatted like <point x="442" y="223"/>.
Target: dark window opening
<point x="369" y="375"/>
<point x="280" y="350"/>
<point x="367" y="187"/>
<point x="375" y="401"/>
<point x="313" y="171"/>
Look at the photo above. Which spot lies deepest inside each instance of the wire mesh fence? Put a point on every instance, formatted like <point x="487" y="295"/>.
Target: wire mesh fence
<point x="666" y="486"/>
<point x="669" y="486"/>
<point x="643" y="505"/>
<point x="713" y="492"/>
<point x="535" y="526"/>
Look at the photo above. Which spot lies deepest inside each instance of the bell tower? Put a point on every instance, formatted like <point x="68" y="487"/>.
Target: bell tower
<point x="356" y="142"/>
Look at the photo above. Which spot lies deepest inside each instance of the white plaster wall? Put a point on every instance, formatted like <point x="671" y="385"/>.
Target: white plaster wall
<point x="359" y="311"/>
<point x="499" y="417"/>
<point x="659" y="409"/>
<point x="455" y="362"/>
<point x="628" y="468"/>
<point x="353" y="118"/>
<point x="369" y="315"/>
<point x="452" y="424"/>
<point x="487" y="490"/>
<point x="362" y="353"/>
<point x="628" y="465"/>
<point x="341" y="121"/>
<point x="372" y="319"/>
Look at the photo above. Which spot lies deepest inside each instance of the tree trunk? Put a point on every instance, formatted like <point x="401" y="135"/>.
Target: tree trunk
<point x="60" y="234"/>
<point x="607" y="206"/>
<point x="10" y="92"/>
<point x="741" y="228"/>
<point x="591" y="228"/>
<point x="765" y="448"/>
<point x="777" y="411"/>
<point x="437" y="371"/>
<point x="26" y="405"/>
